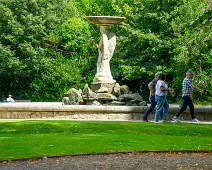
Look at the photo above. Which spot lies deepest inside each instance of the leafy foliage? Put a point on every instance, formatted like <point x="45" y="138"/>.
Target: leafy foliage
<point x="37" y="43"/>
<point x="193" y="49"/>
<point x="46" y="46"/>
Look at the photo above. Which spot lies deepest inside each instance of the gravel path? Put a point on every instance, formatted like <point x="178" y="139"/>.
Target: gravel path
<point x="128" y="161"/>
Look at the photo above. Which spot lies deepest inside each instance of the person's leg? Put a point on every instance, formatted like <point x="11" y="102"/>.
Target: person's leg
<point x="165" y="109"/>
<point x="184" y="106"/>
<point x="191" y="106"/>
<point x="161" y="115"/>
<point x="152" y="107"/>
<point x="160" y="102"/>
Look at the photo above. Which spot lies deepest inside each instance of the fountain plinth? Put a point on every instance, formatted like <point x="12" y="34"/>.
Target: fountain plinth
<point x="106" y="47"/>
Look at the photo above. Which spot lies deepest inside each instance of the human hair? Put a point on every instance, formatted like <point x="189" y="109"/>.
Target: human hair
<point x="157" y="74"/>
<point x="162" y="76"/>
<point x="189" y="73"/>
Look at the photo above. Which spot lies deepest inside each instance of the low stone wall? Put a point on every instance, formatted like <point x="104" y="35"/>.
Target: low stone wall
<point x="52" y="110"/>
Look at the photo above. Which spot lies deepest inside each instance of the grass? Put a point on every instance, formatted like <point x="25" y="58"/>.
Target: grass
<point x="24" y="139"/>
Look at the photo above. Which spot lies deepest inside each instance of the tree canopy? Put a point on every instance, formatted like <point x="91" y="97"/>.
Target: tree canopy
<point x="46" y="46"/>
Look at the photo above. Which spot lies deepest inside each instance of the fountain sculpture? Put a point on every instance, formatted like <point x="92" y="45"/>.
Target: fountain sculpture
<point x="106" y="49"/>
<point x="104" y="89"/>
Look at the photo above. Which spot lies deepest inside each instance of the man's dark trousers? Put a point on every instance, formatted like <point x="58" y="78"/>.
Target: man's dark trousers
<point x="152" y="107"/>
<point x="187" y="101"/>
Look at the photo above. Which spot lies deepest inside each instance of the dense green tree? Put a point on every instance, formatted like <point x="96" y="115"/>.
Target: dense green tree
<point x="38" y="38"/>
<point x="157" y="36"/>
<point x="193" y="44"/>
<point x="47" y="46"/>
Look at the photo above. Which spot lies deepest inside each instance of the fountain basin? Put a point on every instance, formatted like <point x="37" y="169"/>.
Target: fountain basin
<point x="105" y="20"/>
<point x="54" y="110"/>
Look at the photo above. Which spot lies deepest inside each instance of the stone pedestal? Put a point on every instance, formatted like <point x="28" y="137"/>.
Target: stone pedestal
<point x="101" y="87"/>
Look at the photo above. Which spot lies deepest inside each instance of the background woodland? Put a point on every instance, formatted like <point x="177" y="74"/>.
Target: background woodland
<point x="47" y="47"/>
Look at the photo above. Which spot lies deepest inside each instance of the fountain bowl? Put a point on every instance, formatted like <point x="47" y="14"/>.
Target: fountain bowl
<point x="105" y="20"/>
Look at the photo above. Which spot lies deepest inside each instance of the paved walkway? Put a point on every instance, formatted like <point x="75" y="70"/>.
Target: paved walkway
<point x="122" y="161"/>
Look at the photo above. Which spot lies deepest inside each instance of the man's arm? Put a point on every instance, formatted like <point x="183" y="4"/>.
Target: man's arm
<point x="151" y="89"/>
<point x="190" y="84"/>
<point x="194" y="87"/>
<point x="198" y="89"/>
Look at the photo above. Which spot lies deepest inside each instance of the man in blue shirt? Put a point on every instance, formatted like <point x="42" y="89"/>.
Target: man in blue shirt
<point x="151" y="86"/>
<point x="187" y="92"/>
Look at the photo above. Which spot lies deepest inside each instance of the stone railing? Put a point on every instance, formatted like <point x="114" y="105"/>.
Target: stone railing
<point x="51" y="110"/>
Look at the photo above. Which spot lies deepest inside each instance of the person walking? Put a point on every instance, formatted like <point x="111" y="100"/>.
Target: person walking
<point x="187" y="92"/>
<point x="151" y="87"/>
<point x="161" y="98"/>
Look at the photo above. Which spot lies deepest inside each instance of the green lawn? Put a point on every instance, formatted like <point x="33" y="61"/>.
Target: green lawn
<point x="22" y="139"/>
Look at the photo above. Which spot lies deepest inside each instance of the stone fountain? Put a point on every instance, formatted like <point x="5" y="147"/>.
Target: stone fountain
<point x="104" y="89"/>
<point x="106" y="47"/>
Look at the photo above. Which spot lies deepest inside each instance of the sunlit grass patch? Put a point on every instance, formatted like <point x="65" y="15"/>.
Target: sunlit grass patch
<point x="21" y="139"/>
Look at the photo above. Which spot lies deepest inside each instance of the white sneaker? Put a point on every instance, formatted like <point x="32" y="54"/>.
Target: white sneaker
<point x="176" y="119"/>
<point x="195" y="120"/>
<point x="156" y="122"/>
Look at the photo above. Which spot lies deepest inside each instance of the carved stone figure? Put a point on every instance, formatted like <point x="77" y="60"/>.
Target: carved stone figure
<point x="106" y="49"/>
